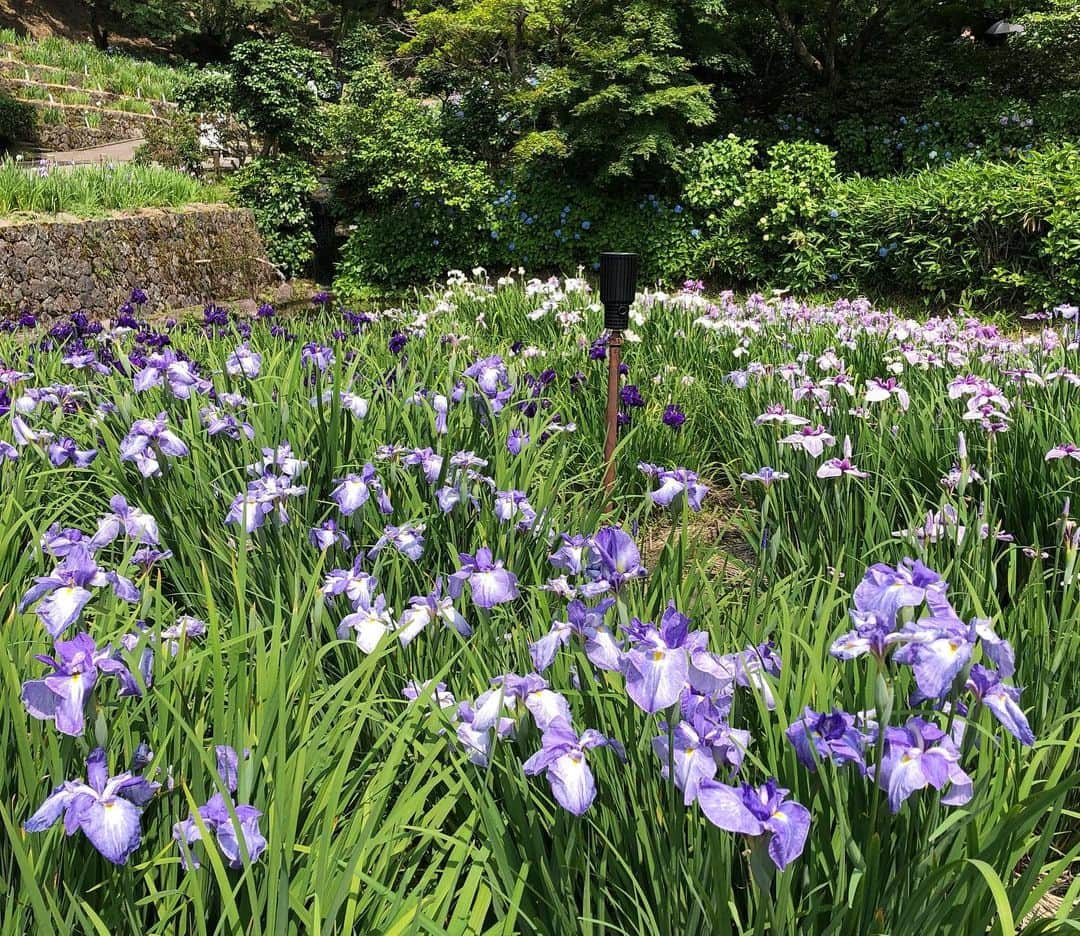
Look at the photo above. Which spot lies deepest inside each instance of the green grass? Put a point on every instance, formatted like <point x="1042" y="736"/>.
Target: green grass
<point x="117" y="73"/>
<point x="90" y="191"/>
<point x="376" y="822"/>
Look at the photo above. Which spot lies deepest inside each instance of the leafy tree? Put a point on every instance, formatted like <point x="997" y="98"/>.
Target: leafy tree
<point x="276" y="88"/>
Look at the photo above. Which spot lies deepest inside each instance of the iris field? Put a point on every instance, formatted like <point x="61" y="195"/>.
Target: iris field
<point x="325" y="623"/>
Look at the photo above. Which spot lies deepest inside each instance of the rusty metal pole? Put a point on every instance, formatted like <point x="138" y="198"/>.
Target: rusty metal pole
<point x="618" y="285"/>
<point x="614" y="353"/>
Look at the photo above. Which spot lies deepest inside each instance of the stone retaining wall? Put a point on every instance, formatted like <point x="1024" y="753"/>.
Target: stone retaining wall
<point x="73" y="133"/>
<point x="178" y="256"/>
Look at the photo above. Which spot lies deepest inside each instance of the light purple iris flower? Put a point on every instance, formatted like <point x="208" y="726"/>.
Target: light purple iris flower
<point x="675" y="483"/>
<point x="8" y="452"/>
<point x="615" y="560"/>
<point x="514" y="507"/>
<point x="490" y="583"/>
<point x="166" y="367"/>
<point x="427" y="609"/>
<point x="67" y="590"/>
<point x="811" y="439"/>
<point x="919" y="755"/>
<point x="516" y="441"/>
<point x="407" y="539"/>
<point x="477" y="728"/>
<point x="234" y="837"/>
<point x="263" y="497"/>
<point x="562" y="757"/>
<point x="148" y="441"/>
<point x="697" y="750"/>
<point x="106" y="809"/>
<point x="841" y="467"/>
<point x="573" y="554"/>
<point x="355" y="584"/>
<point x="1068" y="450"/>
<point x="586" y="623"/>
<point x="58" y="541"/>
<point x="766" y="475"/>
<point x="441" y="697"/>
<point x="828" y="736"/>
<point x="243" y="362"/>
<point x="280" y="458"/>
<point x="429" y="462"/>
<point x="316" y="355"/>
<point x="1001" y="700"/>
<point x="327" y="534"/>
<point x="134" y="523"/>
<point x="885" y="590"/>
<point x="657" y="666"/>
<point x="61" y="696"/>
<point x="368" y="624"/>
<point x="219" y="423"/>
<point x="492" y="379"/>
<point x="353" y="491"/>
<point x="64" y="450"/>
<point x="755" y="812"/>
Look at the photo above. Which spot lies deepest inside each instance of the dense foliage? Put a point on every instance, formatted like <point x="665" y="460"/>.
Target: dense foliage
<point x="17" y="120"/>
<point x="336" y="607"/>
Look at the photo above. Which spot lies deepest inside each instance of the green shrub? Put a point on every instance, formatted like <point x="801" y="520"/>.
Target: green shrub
<point x="204" y="90"/>
<point x="415" y="208"/>
<point x="278" y="190"/>
<point x="18" y="121"/>
<point x="173" y="143"/>
<point x="758" y="221"/>
<point x="987" y="233"/>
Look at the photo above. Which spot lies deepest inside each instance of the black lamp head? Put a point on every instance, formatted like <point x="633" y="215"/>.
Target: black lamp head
<point x="618" y="285"/>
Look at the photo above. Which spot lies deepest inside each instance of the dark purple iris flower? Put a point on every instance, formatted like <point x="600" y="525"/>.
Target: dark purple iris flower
<point x="829" y="736"/>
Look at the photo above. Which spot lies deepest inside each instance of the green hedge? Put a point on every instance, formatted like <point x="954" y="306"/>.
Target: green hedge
<point x="989" y="234"/>
<point x="18" y="121"/>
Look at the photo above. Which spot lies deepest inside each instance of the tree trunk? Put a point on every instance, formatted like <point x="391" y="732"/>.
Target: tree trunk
<point x="98" y="30"/>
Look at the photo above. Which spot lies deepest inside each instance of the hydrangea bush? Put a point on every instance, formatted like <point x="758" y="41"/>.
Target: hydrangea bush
<point x="326" y="622"/>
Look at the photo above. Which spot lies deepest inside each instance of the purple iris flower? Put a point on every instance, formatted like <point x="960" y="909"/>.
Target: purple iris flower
<point x="586" y="623"/>
<point x="514" y="506"/>
<point x="490" y="583"/>
<point x="167" y="367"/>
<point x="758" y="812"/>
<point x="766" y="475"/>
<point x="317" y="355"/>
<point x="829" y="736"/>
<point x="562" y="757"/>
<point x="327" y="534"/>
<point x="441" y="697"/>
<point x="1001" y="700"/>
<point x="697" y="750"/>
<point x="630" y="396"/>
<point x="8" y="452"/>
<point x="616" y="560"/>
<point x="353" y="491"/>
<point x="674" y="483"/>
<point x="427" y="609"/>
<point x="492" y="379"/>
<point x="673" y="416"/>
<point x="148" y="441"/>
<point x="280" y="458"/>
<point x="263" y="497"/>
<point x="243" y="362"/>
<point x="478" y="727"/>
<point x="407" y="539"/>
<point x="67" y="590"/>
<point x="429" y="462"/>
<point x="886" y="590"/>
<point x="355" y="584"/>
<point x="64" y="450"/>
<point x="657" y="667"/>
<point x="573" y="555"/>
<point x="516" y="441"/>
<point x="919" y="755"/>
<point x="106" y="809"/>
<point x="134" y="523"/>
<point x="219" y="423"/>
<point x="58" y="542"/>
<point x="62" y="695"/>
<point x="368" y="624"/>
<point x="235" y="837"/>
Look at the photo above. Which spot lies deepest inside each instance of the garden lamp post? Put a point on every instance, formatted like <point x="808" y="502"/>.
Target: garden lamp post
<point x="618" y="282"/>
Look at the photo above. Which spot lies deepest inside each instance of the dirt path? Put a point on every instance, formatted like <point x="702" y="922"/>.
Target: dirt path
<point x="109" y="153"/>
